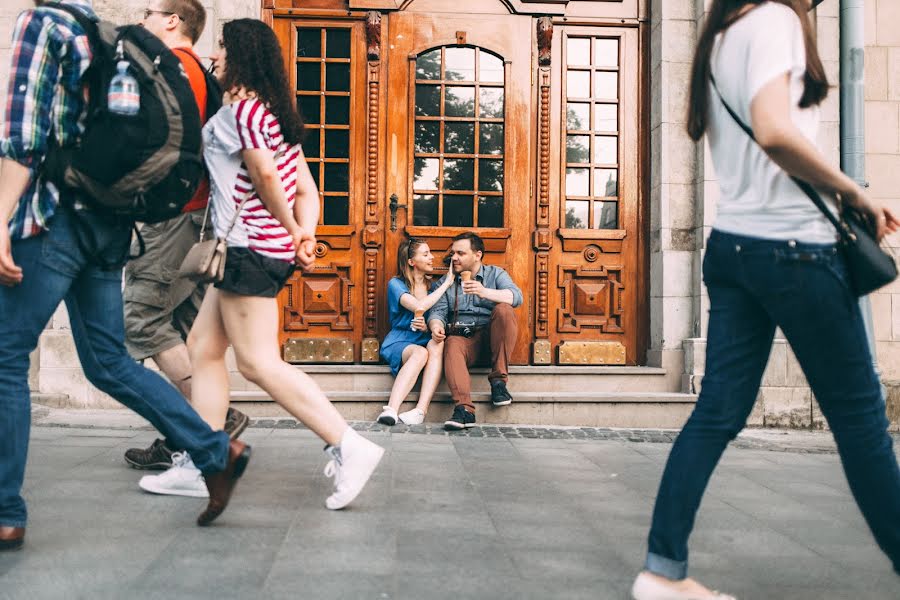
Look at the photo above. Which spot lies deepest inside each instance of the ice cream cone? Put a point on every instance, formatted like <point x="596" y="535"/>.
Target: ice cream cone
<point x="465" y="275"/>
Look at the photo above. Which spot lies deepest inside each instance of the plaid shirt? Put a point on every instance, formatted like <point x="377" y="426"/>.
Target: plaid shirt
<point x="50" y="54"/>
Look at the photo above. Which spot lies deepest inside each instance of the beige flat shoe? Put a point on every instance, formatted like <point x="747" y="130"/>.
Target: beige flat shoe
<point x="648" y="588"/>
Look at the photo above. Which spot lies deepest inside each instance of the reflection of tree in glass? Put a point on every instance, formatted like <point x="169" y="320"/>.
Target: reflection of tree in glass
<point x="573" y="221"/>
<point x="426" y="138"/>
<point x="491" y="138"/>
<point x="578" y="149"/>
<point x="428" y="65"/>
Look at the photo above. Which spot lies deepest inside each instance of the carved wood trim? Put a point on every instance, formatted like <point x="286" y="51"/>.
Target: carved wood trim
<point x="542" y="325"/>
<point x="371" y="328"/>
<point x="372" y="238"/>
<point x="542" y="238"/>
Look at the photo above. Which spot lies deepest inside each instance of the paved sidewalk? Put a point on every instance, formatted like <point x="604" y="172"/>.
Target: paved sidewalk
<point x="446" y="516"/>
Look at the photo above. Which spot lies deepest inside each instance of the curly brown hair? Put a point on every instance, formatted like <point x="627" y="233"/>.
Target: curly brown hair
<point x="254" y="63"/>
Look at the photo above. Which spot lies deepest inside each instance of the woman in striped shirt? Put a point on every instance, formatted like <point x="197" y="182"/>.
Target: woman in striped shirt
<point x="266" y="203"/>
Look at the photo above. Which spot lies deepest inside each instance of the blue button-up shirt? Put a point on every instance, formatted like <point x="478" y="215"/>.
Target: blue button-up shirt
<point x="50" y="53"/>
<point x="470" y="307"/>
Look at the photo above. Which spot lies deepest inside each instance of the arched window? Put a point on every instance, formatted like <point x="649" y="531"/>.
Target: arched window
<point x="458" y="129"/>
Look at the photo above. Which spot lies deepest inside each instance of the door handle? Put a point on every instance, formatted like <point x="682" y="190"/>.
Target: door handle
<point x="394" y="205"/>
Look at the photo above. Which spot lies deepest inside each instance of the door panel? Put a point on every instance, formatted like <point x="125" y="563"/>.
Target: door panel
<point x="458" y="149"/>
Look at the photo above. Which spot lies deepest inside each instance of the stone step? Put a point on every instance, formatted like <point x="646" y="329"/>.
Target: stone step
<point x="378" y="378"/>
<point x="585" y="409"/>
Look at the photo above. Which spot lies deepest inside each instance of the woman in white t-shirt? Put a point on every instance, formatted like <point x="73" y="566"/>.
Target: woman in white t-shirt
<point x="265" y="201"/>
<point x="771" y="262"/>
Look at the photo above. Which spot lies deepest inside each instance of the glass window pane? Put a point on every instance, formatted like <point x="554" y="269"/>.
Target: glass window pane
<point x="337" y="177"/>
<point x="458" y="211"/>
<point x="490" y="68"/>
<point x="577" y="182"/>
<point x="606" y="52"/>
<point x="336" y="210"/>
<point x="606" y="215"/>
<point x="337" y="110"/>
<point x="459" y="174"/>
<point x="425" y="210"/>
<point x="311" y="143"/>
<point x="428" y="100"/>
<point x="490" y="175"/>
<point x="337" y="143"/>
<point x="309" y="76"/>
<point x="428" y="65"/>
<point x="490" y="211"/>
<point x="606" y="85"/>
<point x="337" y="43"/>
<point x="606" y="182"/>
<point x="314" y="169"/>
<point x="427" y="133"/>
<point x="577" y="214"/>
<point x="578" y="116"/>
<point x="578" y="51"/>
<point x="491" y="138"/>
<point x="309" y="108"/>
<point x="460" y="102"/>
<point x="459" y="138"/>
<point x="426" y="172"/>
<point x="578" y="148"/>
<point x="578" y="84"/>
<point x="606" y="150"/>
<point x="309" y="42"/>
<point x="491" y="103"/>
<point x="606" y="117"/>
<point x="337" y="77"/>
<point x="460" y="64"/>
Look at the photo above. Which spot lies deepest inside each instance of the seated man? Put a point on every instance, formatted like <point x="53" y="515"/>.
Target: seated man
<point x="474" y="314"/>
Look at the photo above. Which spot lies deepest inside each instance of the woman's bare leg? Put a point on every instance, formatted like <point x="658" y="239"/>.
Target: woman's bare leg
<point x="207" y="344"/>
<point x="251" y="324"/>
<point x="414" y="359"/>
<point x="434" y="368"/>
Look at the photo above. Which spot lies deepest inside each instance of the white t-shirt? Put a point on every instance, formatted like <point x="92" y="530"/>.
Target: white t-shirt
<point x="758" y="198"/>
<point x="236" y="127"/>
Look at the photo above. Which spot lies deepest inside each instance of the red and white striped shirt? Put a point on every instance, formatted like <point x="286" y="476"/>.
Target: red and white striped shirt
<point x="248" y="124"/>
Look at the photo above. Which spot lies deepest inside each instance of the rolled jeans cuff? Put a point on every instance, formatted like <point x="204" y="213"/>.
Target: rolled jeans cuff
<point x="675" y="570"/>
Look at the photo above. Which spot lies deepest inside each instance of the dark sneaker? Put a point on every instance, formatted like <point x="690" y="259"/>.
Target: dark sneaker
<point x="158" y="457"/>
<point x="235" y="423"/>
<point x="500" y="396"/>
<point x="461" y="419"/>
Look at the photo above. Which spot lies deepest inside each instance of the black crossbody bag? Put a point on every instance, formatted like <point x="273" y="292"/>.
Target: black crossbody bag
<point x="870" y="267"/>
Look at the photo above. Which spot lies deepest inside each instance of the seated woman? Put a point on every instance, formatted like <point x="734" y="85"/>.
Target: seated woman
<point x="408" y="346"/>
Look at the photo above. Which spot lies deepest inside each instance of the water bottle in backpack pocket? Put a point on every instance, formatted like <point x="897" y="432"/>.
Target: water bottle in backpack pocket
<point x="124" y="96"/>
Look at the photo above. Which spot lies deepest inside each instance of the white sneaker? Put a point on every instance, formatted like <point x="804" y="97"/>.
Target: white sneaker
<point x="351" y="465"/>
<point x="388" y="416"/>
<point x="648" y="588"/>
<point x="182" y="479"/>
<point x="413" y="417"/>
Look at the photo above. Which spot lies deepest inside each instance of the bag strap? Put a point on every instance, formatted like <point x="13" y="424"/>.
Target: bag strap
<point x="234" y="219"/>
<point x="808" y="189"/>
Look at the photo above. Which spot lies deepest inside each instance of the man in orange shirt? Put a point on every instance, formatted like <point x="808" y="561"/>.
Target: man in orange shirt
<point x="159" y="307"/>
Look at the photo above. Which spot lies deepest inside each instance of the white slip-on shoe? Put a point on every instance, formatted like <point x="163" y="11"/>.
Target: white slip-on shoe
<point x="351" y="465"/>
<point x="183" y="479"/>
<point x="412" y="417"/>
<point x="388" y="416"/>
<point x="647" y="587"/>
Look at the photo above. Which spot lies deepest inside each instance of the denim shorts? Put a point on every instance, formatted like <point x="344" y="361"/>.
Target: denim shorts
<point x="248" y="273"/>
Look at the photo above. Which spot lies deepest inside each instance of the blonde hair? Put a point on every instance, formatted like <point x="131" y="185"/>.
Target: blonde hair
<point x="406" y="251"/>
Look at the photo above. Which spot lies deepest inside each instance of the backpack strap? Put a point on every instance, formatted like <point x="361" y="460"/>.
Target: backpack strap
<point x="213" y="89"/>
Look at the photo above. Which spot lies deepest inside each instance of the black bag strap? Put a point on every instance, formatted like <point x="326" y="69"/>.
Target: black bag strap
<point x="808" y="189"/>
<point x="213" y="89"/>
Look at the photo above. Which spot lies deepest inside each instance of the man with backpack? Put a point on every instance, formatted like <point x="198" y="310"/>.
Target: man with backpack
<point x="45" y="258"/>
<point x="160" y="308"/>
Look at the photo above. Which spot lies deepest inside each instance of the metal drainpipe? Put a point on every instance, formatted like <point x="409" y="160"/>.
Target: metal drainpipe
<point x="853" y="141"/>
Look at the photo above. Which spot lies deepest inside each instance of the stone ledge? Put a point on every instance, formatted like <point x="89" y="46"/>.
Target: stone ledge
<point x="484" y="397"/>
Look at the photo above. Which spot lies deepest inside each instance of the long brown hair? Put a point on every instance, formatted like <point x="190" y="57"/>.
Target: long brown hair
<point x="722" y="15"/>
<point x="406" y="251"/>
<point x="254" y="62"/>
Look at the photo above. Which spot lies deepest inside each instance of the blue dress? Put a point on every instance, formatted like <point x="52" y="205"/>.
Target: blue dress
<point x="400" y="336"/>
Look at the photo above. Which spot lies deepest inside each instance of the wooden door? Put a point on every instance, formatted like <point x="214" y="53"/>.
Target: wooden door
<point x="458" y="143"/>
<point x="321" y="316"/>
<point x="592" y="293"/>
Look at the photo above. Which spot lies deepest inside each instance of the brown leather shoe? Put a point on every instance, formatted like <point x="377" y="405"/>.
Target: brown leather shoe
<point x="11" y="538"/>
<point x="221" y="484"/>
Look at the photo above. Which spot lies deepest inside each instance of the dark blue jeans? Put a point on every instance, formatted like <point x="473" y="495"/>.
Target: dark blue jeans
<point x="755" y="286"/>
<point x="55" y="268"/>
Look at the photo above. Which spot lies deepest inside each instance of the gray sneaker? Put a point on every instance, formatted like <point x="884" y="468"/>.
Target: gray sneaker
<point x="158" y="457"/>
<point x="235" y="423"/>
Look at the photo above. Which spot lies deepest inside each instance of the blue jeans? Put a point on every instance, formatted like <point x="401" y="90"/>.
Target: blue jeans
<point x="755" y="286"/>
<point x="55" y="268"/>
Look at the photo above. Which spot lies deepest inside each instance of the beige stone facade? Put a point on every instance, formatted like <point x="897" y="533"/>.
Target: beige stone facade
<point x="683" y="193"/>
